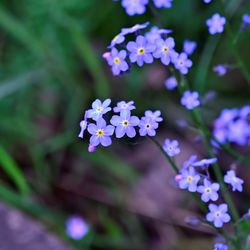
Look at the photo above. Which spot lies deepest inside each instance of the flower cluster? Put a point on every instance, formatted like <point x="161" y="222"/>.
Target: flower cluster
<point x="121" y="124"/>
<point x="194" y="176"/>
<point x="233" y="125"/>
<point x="154" y="44"/>
<point x="138" y="7"/>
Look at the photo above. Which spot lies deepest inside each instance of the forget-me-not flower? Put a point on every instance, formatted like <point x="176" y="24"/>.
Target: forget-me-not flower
<point x="234" y="181"/>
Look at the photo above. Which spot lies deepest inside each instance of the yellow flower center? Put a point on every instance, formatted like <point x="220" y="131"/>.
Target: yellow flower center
<point x="99" y="109"/>
<point x="165" y="49"/>
<point x="189" y="179"/>
<point x="141" y="51"/>
<point x="117" y="60"/>
<point x="100" y="132"/>
<point x="115" y="38"/>
<point x="125" y="123"/>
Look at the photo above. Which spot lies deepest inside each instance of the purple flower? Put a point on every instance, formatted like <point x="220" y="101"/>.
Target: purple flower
<point x="171" y="83"/>
<point x="154" y="115"/>
<point x="189" y="180"/>
<point x="220" y="69"/>
<point x="117" y="61"/>
<point x="100" y="133"/>
<point x="218" y="214"/>
<point x="216" y="24"/>
<point x="245" y="112"/>
<point x="122" y="105"/>
<point x="190" y="99"/>
<point x="134" y="28"/>
<point x="140" y="51"/>
<point x="133" y="7"/>
<point x="207" y="1"/>
<point x="220" y="246"/>
<point x="234" y="181"/>
<point x="209" y="191"/>
<point x="181" y="62"/>
<point x="147" y="127"/>
<point x="83" y="126"/>
<point x="163" y="3"/>
<point x="204" y="162"/>
<point x="239" y="131"/>
<point x="164" y="50"/>
<point x="98" y="109"/>
<point x="171" y="147"/>
<point x="246" y="19"/>
<point x="125" y="124"/>
<point x="76" y="228"/>
<point x="189" y="162"/>
<point x="155" y="34"/>
<point x="118" y="39"/>
<point x="189" y="47"/>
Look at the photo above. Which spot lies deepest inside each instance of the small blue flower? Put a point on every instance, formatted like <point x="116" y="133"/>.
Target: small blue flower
<point x="117" y="61"/>
<point x="122" y="105"/>
<point x="234" y="181"/>
<point x="100" y="133"/>
<point x="209" y="191"/>
<point x="154" y="115"/>
<point x="76" y="227"/>
<point x="220" y="246"/>
<point x="181" y="62"/>
<point x="189" y="162"/>
<point x="147" y="127"/>
<point x="171" y="83"/>
<point x="245" y="20"/>
<point x="155" y="33"/>
<point x="189" y="47"/>
<point x="190" y="99"/>
<point x="140" y="51"/>
<point x="125" y="124"/>
<point x="118" y="39"/>
<point x="189" y="180"/>
<point x="171" y="147"/>
<point x="221" y="69"/>
<point x="98" y="109"/>
<point x="218" y="214"/>
<point x="164" y="50"/>
<point x="207" y="1"/>
<point x="133" y="7"/>
<point x="163" y="3"/>
<point x="216" y="24"/>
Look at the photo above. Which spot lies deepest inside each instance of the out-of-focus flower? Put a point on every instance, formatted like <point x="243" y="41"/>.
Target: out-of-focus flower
<point x="207" y="1"/>
<point x="163" y="3"/>
<point x="117" y="61"/>
<point x="154" y="115"/>
<point x="189" y="179"/>
<point x="234" y="181"/>
<point x="204" y="162"/>
<point x="216" y="24"/>
<point x="133" y="7"/>
<point x="125" y="124"/>
<point x="181" y="62"/>
<point x="91" y="148"/>
<point x="76" y="227"/>
<point x="220" y="69"/>
<point x="190" y="99"/>
<point x="245" y="21"/>
<point x="140" y="51"/>
<point x="189" y="47"/>
<point x="171" y="147"/>
<point x="134" y="28"/>
<point x="155" y="33"/>
<point x="218" y="214"/>
<point x="220" y="246"/>
<point x="171" y="83"/>
<point x="209" y="191"/>
<point x="122" y="105"/>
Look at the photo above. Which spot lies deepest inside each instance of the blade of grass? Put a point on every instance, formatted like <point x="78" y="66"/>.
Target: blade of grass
<point x="10" y="167"/>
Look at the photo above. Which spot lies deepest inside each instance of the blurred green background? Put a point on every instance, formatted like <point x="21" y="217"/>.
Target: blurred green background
<point x="51" y="69"/>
